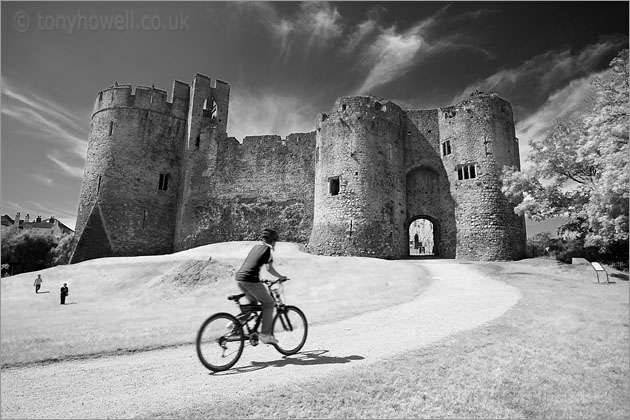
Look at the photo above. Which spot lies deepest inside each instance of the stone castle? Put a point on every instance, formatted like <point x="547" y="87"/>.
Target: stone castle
<point x="164" y="176"/>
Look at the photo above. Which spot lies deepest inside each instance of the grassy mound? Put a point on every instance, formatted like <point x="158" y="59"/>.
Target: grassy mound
<point x="136" y="303"/>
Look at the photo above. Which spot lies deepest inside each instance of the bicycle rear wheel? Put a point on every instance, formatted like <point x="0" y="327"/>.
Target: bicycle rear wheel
<point x="220" y="342"/>
<point x="290" y="329"/>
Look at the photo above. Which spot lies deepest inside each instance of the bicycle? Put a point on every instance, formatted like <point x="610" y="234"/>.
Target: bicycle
<point x="221" y="338"/>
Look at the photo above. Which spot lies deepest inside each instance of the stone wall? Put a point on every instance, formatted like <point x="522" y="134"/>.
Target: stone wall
<point x="264" y="182"/>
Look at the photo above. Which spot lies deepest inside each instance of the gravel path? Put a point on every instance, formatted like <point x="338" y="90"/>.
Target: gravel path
<point x="164" y="381"/>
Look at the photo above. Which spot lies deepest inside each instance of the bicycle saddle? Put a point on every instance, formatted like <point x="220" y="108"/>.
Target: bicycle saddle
<point x="236" y="297"/>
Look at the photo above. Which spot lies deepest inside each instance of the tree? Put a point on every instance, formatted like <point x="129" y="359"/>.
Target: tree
<point x="63" y="251"/>
<point x="580" y="169"/>
<point x="30" y="251"/>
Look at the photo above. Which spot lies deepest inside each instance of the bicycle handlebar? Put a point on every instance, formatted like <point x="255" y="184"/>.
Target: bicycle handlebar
<point x="272" y="282"/>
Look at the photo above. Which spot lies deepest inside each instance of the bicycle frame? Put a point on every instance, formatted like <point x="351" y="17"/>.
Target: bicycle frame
<point x="221" y="338"/>
<point x="253" y="311"/>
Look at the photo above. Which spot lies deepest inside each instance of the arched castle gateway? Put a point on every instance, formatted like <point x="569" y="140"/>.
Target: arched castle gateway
<point x="164" y="176"/>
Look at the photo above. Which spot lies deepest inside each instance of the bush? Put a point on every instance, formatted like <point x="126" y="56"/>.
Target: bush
<point x="615" y="256"/>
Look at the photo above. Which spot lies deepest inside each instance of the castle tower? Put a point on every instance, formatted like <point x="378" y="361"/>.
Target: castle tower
<point x="477" y="140"/>
<point x="206" y="127"/>
<point x="131" y="178"/>
<point x="359" y="202"/>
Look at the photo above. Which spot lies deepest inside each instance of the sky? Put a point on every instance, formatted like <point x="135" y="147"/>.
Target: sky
<point x="286" y="62"/>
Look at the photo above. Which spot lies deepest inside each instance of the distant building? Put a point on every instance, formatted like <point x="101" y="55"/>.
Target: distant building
<point x="50" y="226"/>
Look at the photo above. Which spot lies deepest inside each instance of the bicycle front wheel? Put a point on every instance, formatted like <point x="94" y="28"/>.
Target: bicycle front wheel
<point x="290" y="329"/>
<point x="220" y="342"/>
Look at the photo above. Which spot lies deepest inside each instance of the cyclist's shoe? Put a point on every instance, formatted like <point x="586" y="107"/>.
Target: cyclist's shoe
<point x="268" y="339"/>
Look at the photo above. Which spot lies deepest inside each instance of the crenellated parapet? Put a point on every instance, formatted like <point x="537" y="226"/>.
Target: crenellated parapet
<point x="144" y="98"/>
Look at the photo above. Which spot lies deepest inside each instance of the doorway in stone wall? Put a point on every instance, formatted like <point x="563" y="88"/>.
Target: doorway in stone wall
<point x="423" y="237"/>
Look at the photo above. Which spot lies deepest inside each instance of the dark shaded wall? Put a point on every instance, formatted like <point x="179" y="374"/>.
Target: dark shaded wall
<point x="264" y="182"/>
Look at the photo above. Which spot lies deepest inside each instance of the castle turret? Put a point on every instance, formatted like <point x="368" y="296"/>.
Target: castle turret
<point x="359" y="180"/>
<point x="478" y="139"/>
<point x="207" y="125"/>
<point x="131" y="177"/>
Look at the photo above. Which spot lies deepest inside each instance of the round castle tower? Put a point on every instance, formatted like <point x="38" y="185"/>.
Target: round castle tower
<point x="131" y="178"/>
<point x="359" y="202"/>
<point x="477" y="140"/>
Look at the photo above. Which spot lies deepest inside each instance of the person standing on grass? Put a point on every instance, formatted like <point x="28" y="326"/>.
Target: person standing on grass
<point x="64" y="292"/>
<point x="38" y="283"/>
<point x="248" y="280"/>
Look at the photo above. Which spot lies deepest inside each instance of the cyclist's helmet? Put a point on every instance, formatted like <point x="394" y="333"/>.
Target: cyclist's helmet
<point x="269" y="235"/>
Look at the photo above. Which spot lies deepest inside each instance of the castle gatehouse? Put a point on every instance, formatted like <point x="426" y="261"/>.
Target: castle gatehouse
<point x="164" y="176"/>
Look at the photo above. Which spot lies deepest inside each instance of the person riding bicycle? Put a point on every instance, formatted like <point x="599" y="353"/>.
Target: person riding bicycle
<point x="248" y="280"/>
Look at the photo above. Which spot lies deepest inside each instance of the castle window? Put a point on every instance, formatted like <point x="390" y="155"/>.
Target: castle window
<point x="449" y="113"/>
<point x="198" y="141"/>
<point x="214" y="110"/>
<point x="98" y="187"/>
<point x="144" y="218"/>
<point x="446" y="148"/>
<point x="333" y="185"/>
<point x="466" y="172"/>
<point x="163" y="183"/>
<point x="111" y="128"/>
<point x="343" y="107"/>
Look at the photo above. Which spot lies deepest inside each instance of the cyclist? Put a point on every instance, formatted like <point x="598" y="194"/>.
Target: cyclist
<point x="248" y="280"/>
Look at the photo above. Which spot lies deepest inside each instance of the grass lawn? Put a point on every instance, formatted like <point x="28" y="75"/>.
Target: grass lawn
<point x="561" y="352"/>
<point x="119" y="305"/>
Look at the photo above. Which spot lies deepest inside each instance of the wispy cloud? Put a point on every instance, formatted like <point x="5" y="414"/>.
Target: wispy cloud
<point x="314" y="26"/>
<point x="390" y="56"/>
<point x="391" y="52"/>
<point x="44" y="117"/>
<point x="56" y="131"/>
<point x="73" y="171"/>
<point x="531" y="84"/>
<point x="321" y="22"/>
<point x="265" y="113"/>
<point x="42" y="179"/>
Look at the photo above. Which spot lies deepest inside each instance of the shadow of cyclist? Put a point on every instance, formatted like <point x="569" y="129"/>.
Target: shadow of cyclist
<point x="306" y="358"/>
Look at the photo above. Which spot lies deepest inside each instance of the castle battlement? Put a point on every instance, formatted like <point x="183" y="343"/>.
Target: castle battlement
<point x="165" y="176"/>
<point x="145" y="98"/>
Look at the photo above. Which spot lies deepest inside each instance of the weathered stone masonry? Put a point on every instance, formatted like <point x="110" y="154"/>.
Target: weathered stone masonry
<point x="162" y="177"/>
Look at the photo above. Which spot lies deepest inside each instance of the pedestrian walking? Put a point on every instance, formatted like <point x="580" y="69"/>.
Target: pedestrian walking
<point x="38" y="283"/>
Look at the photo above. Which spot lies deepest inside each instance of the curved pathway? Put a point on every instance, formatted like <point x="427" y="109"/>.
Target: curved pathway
<point x="164" y="381"/>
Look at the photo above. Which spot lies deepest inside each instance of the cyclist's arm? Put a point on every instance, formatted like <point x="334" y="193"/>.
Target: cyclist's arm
<point x="273" y="271"/>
